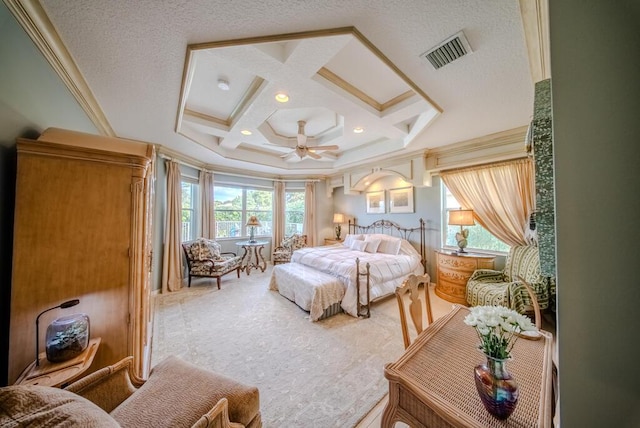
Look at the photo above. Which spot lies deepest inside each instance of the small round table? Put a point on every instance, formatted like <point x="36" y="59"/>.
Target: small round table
<point x="252" y="255"/>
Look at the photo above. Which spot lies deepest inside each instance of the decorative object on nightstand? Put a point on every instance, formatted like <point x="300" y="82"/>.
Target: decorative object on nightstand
<point x="338" y="219"/>
<point x="253" y="223"/>
<point x="63" y="305"/>
<point x="498" y="328"/>
<point x="67" y="337"/>
<point x="461" y="218"/>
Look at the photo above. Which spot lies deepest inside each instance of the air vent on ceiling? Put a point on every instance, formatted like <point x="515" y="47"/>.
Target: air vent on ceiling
<point x="450" y="50"/>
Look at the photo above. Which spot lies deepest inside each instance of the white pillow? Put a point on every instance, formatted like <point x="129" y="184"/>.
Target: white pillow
<point x="358" y="245"/>
<point x="390" y="245"/>
<point x="372" y="245"/>
<point x="350" y="238"/>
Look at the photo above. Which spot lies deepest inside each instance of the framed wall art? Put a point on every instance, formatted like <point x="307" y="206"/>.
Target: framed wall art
<point x="375" y="202"/>
<point x="401" y="200"/>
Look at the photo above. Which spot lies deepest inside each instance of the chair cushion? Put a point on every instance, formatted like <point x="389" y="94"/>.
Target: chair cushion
<point x="187" y="392"/>
<point x="44" y="406"/>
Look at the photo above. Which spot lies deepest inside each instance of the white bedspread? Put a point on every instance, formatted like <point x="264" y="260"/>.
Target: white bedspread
<point x="387" y="271"/>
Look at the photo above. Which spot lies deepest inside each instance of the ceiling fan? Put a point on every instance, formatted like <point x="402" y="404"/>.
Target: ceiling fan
<point x="302" y="150"/>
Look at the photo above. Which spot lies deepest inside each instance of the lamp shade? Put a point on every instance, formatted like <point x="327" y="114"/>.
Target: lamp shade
<point x="338" y="218"/>
<point x="253" y="221"/>
<point x="461" y="218"/>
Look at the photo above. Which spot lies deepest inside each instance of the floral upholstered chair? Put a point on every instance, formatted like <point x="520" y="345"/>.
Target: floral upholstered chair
<point x="204" y="259"/>
<point x="503" y="288"/>
<point x="282" y="253"/>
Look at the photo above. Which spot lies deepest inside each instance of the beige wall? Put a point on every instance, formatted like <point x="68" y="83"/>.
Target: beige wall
<point x="595" y="64"/>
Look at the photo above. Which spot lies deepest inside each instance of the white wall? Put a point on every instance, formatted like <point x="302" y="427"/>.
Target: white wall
<point x="595" y="62"/>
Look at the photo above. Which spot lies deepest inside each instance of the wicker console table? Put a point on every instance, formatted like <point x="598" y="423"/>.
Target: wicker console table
<point x="432" y="384"/>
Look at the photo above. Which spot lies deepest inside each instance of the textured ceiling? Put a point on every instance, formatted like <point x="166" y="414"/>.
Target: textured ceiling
<point x="133" y="56"/>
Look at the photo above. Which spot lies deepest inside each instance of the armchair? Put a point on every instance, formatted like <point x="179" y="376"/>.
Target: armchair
<point x="282" y="253"/>
<point x="504" y="288"/>
<point x="204" y="259"/>
<point x="177" y="394"/>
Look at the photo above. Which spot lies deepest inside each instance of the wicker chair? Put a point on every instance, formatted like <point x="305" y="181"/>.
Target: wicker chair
<point x="204" y="259"/>
<point x="504" y="288"/>
<point x="282" y="253"/>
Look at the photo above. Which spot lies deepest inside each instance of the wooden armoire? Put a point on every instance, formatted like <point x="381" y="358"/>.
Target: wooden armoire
<point x="83" y="231"/>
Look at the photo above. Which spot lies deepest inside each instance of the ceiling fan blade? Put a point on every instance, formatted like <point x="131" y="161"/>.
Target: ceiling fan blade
<point x="289" y="156"/>
<point x="313" y="155"/>
<point x="322" y="148"/>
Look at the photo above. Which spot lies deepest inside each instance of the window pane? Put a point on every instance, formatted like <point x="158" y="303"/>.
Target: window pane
<point x="259" y="200"/>
<point x="294" y="212"/>
<point x="189" y="216"/>
<point x="479" y="238"/>
<point x="227" y="198"/>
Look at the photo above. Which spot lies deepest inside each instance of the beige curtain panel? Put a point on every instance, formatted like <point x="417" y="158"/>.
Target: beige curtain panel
<point x="501" y="195"/>
<point x="278" y="212"/>
<point x="208" y="221"/>
<point x="172" y="256"/>
<point x="309" y="226"/>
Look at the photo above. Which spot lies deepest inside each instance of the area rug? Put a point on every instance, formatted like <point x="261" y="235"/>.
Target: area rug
<point x="323" y="374"/>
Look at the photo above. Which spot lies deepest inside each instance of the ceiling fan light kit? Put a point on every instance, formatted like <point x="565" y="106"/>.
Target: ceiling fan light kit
<point x="281" y="97"/>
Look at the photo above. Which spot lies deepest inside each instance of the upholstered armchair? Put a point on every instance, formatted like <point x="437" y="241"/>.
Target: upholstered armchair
<point x="503" y="288"/>
<point x="204" y="259"/>
<point x="282" y="253"/>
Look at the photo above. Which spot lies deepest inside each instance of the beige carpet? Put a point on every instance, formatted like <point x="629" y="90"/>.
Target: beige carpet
<point x="323" y="374"/>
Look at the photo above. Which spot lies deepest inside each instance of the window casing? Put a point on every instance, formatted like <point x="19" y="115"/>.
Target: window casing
<point x="189" y="210"/>
<point x="233" y="205"/>
<point x="293" y="212"/>
<point x="480" y="239"/>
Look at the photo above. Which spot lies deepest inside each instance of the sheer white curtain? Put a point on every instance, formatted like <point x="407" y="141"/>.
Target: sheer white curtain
<point x="208" y="221"/>
<point x="278" y="212"/>
<point x="172" y="255"/>
<point x="309" y="226"/>
<point x="501" y="195"/>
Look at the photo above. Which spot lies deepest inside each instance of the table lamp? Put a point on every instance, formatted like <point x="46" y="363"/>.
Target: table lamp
<point x="461" y="218"/>
<point x="253" y="223"/>
<point x="63" y="305"/>
<point x="338" y="219"/>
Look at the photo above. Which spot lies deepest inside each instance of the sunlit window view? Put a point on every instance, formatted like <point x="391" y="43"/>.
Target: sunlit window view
<point x="479" y="238"/>
<point x="234" y="205"/>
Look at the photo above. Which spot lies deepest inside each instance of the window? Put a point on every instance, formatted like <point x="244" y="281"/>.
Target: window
<point x="479" y="237"/>
<point x="189" y="210"/>
<point x="234" y="205"/>
<point x="293" y="212"/>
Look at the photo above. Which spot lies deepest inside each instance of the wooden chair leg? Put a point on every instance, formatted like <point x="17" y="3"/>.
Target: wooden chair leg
<point x="238" y="272"/>
<point x="189" y="280"/>
<point x="218" y="280"/>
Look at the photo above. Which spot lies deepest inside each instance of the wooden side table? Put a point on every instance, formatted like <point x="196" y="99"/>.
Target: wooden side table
<point x="59" y="374"/>
<point x="454" y="271"/>
<point x="432" y="384"/>
<point x="332" y="241"/>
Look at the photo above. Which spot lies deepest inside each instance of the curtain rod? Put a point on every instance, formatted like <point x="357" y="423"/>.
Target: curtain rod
<point x="233" y="174"/>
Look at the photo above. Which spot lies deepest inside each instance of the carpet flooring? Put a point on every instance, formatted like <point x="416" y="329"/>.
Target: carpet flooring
<point x="322" y="374"/>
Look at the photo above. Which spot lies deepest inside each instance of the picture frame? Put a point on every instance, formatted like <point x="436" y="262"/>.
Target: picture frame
<point x="376" y="202"/>
<point x="401" y="200"/>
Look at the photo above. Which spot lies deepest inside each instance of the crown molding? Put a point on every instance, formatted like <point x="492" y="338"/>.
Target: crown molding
<point x="535" y="21"/>
<point x="33" y="19"/>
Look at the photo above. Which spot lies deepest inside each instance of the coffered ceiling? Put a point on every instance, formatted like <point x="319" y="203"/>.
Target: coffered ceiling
<point x="155" y="71"/>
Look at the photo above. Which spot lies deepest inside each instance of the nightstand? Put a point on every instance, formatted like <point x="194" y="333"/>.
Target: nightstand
<point x="332" y="241"/>
<point x="59" y="374"/>
<point x="454" y="270"/>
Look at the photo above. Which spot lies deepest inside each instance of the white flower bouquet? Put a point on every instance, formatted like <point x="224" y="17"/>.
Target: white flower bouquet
<point x="497" y="328"/>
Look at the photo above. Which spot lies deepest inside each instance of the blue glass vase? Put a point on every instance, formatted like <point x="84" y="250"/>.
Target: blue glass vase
<point x="496" y="387"/>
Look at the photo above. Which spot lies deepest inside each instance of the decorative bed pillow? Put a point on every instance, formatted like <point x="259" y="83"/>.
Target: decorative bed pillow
<point x="350" y="238"/>
<point x="44" y="406"/>
<point x="358" y="245"/>
<point x="390" y="245"/>
<point x="372" y="244"/>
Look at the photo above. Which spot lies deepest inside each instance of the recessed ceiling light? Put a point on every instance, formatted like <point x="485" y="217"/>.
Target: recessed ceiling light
<point x="281" y="97"/>
<point x="246" y="132"/>
<point x="223" y="85"/>
<point x="358" y="130"/>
